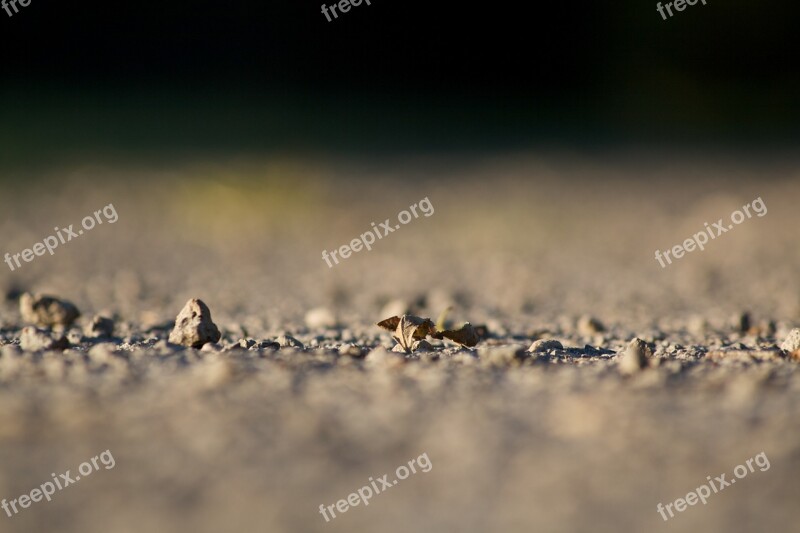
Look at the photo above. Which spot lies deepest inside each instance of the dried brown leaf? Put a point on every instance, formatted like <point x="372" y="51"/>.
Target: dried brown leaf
<point x="408" y="328"/>
<point x="390" y="323"/>
<point x="416" y="327"/>
<point x="466" y="335"/>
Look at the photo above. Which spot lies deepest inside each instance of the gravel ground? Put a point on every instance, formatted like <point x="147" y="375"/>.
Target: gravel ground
<point x="302" y="399"/>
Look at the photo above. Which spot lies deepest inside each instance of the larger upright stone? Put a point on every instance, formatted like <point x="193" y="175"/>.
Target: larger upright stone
<point x="193" y="326"/>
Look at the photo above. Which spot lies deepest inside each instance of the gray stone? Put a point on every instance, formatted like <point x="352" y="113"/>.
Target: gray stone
<point x="246" y="344"/>
<point x="635" y="357"/>
<point x="287" y="341"/>
<point x="352" y="350"/>
<point x="47" y="311"/>
<point x="212" y="347"/>
<point x="544" y="345"/>
<point x="266" y="345"/>
<point x="74" y="337"/>
<point x="422" y="346"/>
<point x="193" y="326"/>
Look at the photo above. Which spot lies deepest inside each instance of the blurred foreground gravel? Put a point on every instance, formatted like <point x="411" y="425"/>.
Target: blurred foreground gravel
<point x="302" y="400"/>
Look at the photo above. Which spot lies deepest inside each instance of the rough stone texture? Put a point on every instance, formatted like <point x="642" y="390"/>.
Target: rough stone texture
<point x="193" y="326"/>
<point x="47" y="311"/>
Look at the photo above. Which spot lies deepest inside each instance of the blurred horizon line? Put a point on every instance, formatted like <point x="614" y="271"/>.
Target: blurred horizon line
<point x="53" y="125"/>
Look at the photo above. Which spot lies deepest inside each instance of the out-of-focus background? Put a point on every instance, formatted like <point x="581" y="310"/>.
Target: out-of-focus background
<point x="560" y="145"/>
<point x="92" y="80"/>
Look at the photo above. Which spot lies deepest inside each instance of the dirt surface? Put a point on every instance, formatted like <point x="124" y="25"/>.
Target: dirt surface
<point x="243" y="435"/>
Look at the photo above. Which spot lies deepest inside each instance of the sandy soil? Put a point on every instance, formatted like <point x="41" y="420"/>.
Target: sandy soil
<point x="240" y="436"/>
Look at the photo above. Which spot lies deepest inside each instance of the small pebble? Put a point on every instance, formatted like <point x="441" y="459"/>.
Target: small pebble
<point x="352" y="350"/>
<point x="287" y="341"/>
<point x="74" y="337"/>
<point x="422" y="346"/>
<point x="266" y="345"/>
<point x="544" y="345"/>
<point x="100" y="327"/>
<point x="47" y="311"/>
<point x="212" y="347"/>
<point x="635" y="357"/>
<point x="246" y="343"/>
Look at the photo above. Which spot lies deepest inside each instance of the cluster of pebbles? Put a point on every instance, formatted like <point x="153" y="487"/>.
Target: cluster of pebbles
<point x="191" y="409"/>
<point x="603" y="385"/>
<point x="51" y="329"/>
